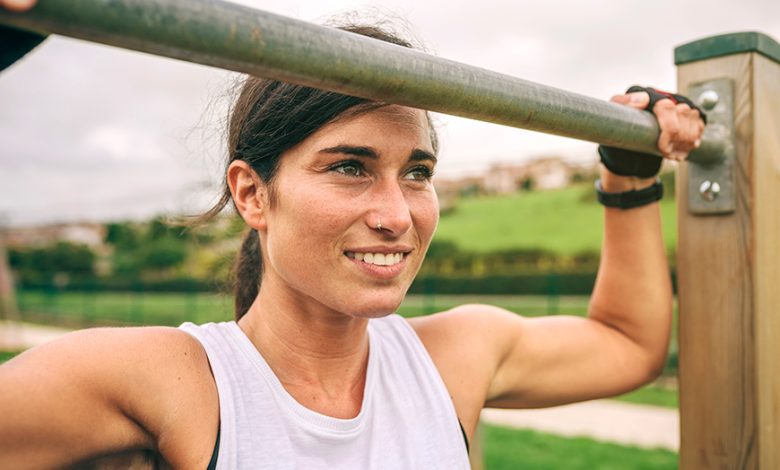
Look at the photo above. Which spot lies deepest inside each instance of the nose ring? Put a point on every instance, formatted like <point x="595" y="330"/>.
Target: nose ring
<point x="379" y="225"/>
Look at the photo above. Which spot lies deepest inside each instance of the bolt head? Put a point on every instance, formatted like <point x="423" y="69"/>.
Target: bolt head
<point x="709" y="190"/>
<point x="709" y="99"/>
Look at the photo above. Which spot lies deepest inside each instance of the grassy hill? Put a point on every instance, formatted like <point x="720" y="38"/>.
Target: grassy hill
<point x="565" y="221"/>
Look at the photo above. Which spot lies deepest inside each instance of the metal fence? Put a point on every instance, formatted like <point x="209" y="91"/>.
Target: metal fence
<point x="87" y="308"/>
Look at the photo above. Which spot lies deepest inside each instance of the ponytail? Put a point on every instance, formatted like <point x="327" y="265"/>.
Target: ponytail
<point x="248" y="268"/>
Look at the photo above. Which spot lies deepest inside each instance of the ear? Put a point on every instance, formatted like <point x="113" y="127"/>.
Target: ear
<point x="249" y="193"/>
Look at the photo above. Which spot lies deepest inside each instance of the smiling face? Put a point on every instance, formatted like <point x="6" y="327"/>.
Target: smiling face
<point x="319" y="235"/>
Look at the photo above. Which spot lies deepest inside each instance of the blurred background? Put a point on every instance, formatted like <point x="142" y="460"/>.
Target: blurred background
<point x="101" y="148"/>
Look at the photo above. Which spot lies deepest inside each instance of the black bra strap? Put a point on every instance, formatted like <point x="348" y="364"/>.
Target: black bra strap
<point x="465" y="439"/>
<point x="215" y="454"/>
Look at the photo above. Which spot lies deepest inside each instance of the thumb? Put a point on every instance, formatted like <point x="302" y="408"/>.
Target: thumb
<point x="637" y="99"/>
<point x="17" y="5"/>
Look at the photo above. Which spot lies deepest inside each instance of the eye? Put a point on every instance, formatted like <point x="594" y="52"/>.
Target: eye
<point x="419" y="173"/>
<point x="349" y="168"/>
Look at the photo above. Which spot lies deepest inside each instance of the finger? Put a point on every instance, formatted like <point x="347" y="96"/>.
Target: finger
<point x="698" y="127"/>
<point x="638" y="99"/>
<point x="687" y="136"/>
<point x="693" y="136"/>
<point x="620" y="99"/>
<point x="668" y="121"/>
<point x="17" y="5"/>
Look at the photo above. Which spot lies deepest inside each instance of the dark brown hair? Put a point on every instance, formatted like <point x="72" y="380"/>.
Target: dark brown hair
<point x="268" y="118"/>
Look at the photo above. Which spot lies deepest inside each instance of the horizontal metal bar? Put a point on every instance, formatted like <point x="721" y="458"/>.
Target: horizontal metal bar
<point x="242" y="39"/>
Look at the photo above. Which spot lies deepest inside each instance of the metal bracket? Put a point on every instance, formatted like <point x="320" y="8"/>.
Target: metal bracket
<point x="711" y="181"/>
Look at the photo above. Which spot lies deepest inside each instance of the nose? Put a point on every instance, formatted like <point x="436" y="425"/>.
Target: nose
<point x="390" y="214"/>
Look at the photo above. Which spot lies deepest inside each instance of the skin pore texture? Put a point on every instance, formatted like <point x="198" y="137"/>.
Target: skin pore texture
<point x="315" y="222"/>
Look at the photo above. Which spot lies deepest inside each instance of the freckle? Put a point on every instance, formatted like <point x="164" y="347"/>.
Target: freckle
<point x="178" y="378"/>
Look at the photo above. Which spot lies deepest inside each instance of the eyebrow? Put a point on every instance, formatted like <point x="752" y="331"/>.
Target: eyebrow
<point x="368" y="152"/>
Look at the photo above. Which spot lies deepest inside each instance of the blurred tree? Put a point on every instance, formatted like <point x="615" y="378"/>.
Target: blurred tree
<point x="44" y="263"/>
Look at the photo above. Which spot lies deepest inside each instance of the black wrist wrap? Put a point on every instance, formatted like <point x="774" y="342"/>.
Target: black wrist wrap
<point x="631" y="163"/>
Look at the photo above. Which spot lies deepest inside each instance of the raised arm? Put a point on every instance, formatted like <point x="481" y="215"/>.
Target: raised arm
<point x="488" y="356"/>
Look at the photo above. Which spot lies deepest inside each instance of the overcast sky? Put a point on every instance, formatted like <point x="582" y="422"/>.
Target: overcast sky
<point x="93" y="132"/>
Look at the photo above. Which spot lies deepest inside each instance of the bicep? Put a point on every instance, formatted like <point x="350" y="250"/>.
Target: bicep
<point x="563" y="359"/>
<point x="489" y="356"/>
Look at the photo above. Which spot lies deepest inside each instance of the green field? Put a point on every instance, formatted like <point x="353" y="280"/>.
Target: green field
<point x="80" y="309"/>
<point x="511" y="449"/>
<point x="564" y="221"/>
<point x="144" y="308"/>
<point x="6" y="355"/>
<point x="656" y="395"/>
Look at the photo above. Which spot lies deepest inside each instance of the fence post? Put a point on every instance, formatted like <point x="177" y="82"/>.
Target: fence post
<point x="8" y="306"/>
<point x="729" y="261"/>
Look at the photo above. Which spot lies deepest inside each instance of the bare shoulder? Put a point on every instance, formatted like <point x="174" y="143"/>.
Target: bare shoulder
<point x="464" y="321"/>
<point x="115" y="357"/>
<point x="467" y="345"/>
<point x="140" y="386"/>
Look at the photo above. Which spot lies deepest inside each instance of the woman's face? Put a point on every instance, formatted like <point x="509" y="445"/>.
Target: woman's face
<point x="320" y="239"/>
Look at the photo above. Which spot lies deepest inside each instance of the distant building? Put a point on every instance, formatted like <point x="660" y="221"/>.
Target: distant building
<point x="449" y="190"/>
<point x="541" y="173"/>
<point x="90" y="234"/>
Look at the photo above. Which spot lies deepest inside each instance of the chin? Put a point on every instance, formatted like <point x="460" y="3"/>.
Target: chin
<point x="373" y="309"/>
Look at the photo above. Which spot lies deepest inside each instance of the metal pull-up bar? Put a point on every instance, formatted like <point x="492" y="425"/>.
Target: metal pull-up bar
<point x="242" y="39"/>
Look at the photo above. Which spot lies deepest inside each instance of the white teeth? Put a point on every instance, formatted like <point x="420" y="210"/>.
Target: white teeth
<point x="378" y="259"/>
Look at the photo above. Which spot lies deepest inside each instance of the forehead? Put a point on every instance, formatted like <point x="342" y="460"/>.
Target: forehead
<point x="391" y="127"/>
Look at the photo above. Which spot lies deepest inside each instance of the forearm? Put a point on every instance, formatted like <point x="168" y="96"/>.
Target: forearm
<point x="633" y="291"/>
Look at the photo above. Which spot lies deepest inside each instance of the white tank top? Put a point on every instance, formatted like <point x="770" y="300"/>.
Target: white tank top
<point x="407" y="419"/>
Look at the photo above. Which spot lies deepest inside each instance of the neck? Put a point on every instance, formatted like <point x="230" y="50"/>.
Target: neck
<point x="320" y="356"/>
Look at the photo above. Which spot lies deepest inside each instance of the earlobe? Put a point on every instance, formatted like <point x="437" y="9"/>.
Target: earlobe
<point x="249" y="193"/>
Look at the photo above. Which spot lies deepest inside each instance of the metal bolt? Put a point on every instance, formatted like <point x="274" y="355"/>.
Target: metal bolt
<point x="709" y="190"/>
<point x="709" y="99"/>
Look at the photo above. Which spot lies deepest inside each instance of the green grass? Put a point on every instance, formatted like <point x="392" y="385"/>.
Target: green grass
<point x="562" y="221"/>
<point x="527" y="305"/>
<point x="123" y="308"/>
<point x="655" y="395"/>
<point x="523" y="449"/>
<point x="112" y="308"/>
<point x="7" y="355"/>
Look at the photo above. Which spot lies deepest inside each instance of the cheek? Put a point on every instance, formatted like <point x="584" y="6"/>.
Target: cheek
<point x="426" y="217"/>
<point x="306" y="219"/>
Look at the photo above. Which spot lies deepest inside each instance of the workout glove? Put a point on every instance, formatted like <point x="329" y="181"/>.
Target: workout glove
<point x="644" y="165"/>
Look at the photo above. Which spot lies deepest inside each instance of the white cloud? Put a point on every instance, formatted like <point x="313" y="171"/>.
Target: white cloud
<point x="88" y="129"/>
<point x="123" y="143"/>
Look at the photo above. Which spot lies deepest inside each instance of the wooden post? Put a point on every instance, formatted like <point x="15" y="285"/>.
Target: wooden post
<point x="729" y="271"/>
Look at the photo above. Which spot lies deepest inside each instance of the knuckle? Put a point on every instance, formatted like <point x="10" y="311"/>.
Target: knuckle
<point x="665" y="104"/>
<point x="672" y="129"/>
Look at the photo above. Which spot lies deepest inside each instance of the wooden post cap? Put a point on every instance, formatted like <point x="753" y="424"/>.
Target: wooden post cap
<point x="727" y="44"/>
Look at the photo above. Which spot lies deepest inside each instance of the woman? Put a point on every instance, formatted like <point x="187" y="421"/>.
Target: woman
<point x="318" y="372"/>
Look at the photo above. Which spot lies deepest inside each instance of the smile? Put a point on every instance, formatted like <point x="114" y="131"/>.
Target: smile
<point x="378" y="259"/>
